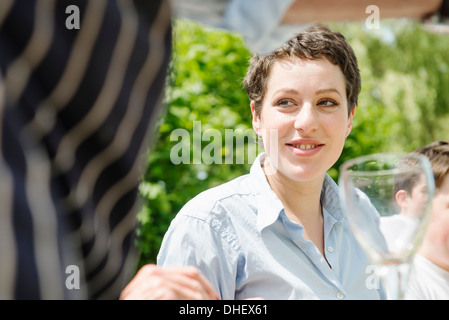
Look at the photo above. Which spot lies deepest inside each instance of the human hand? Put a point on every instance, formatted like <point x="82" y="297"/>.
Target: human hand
<point x="169" y="283"/>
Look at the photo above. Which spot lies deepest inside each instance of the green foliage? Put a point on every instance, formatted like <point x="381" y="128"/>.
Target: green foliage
<point x="404" y="104"/>
<point x="204" y="87"/>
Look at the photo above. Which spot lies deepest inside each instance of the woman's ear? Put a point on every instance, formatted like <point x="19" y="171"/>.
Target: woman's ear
<point x="351" y="117"/>
<point x="256" y="120"/>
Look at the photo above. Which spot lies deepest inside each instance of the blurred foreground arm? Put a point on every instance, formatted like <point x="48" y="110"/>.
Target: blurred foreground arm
<point x="170" y="283"/>
<point x="267" y="24"/>
<point x="306" y="11"/>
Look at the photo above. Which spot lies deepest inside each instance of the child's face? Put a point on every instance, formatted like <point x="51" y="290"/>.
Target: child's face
<point x="436" y="241"/>
<point x="439" y="225"/>
<point x="419" y="197"/>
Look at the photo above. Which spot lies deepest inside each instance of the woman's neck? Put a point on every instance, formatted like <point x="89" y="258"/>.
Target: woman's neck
<point x="301" y="200"/>
<point x="302" y="204"/>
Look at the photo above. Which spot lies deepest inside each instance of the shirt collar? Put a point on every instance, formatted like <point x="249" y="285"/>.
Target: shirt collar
<point x="269" y="205"/>
<point x="330" y="198"/>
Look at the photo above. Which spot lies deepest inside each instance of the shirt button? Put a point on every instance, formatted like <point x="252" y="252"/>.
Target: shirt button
<point x="330" y="249"/>
<point x="340" y="295"/>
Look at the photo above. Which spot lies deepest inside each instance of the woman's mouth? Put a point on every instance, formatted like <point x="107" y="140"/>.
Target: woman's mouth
<point x="303" y="146"/>
<point x="305" y="149"/>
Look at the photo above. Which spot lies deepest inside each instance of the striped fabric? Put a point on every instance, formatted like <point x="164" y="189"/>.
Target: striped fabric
<point x="77" y="109"/>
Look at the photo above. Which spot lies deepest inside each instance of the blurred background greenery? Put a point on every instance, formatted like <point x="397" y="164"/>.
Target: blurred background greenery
<point x="404" y="104"/>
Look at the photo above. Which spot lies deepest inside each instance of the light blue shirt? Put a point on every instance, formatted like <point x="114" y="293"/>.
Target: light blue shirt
<point x="240" y="238"/>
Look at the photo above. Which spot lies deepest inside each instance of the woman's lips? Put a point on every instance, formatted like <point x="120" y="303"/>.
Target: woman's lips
<point x="305" y="148"/>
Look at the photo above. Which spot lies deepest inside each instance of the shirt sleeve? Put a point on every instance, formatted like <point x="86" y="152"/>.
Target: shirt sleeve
<point x="192" y="241"/>
<point x="258" y="21"/>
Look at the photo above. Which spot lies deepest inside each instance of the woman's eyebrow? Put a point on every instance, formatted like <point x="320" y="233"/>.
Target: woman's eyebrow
<point x="286" y="90"/>
<point x="295" y="91"/>
<point x="327" y="90"/>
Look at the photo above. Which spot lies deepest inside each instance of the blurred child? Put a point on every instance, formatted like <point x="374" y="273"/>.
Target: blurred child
<point x="410" y="195"/>
<point x="430" y="274"/>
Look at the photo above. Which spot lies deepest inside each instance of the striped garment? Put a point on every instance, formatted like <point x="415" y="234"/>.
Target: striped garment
<point x="77" y="109"/>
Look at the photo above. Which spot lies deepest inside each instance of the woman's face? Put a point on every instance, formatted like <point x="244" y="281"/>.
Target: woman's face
<point x="304" y="118"/>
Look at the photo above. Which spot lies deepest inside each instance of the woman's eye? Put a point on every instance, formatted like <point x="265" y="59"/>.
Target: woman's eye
<point x="284" y="103"/>
<point x="328" y="103"/>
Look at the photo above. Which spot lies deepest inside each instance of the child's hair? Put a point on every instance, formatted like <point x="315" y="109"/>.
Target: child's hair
<point x="438" y="154"/>
<point x="407" y="180"/>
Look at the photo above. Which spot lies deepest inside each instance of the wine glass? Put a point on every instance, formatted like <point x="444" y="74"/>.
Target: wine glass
<point x="387" y="199"/>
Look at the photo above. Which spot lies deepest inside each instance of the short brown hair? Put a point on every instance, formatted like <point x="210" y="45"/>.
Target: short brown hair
<point x="315" y="43"/>
<point x="407" y="180"/>
<point x="438" y="154"/>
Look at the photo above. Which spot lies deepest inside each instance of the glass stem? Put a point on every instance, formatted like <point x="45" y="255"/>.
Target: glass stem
<point x="395" y="280"/>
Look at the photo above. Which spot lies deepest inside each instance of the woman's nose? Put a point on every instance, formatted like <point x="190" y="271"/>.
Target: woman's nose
<point x="306" y="119"/>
